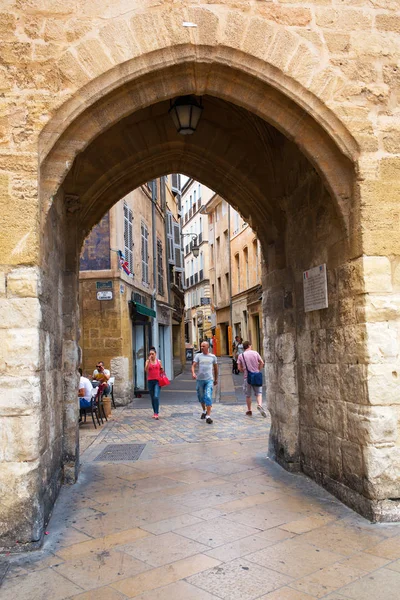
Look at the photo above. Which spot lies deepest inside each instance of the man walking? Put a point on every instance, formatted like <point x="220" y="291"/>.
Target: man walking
<point x="206" y="377"/>
<point x="251" y="361"/>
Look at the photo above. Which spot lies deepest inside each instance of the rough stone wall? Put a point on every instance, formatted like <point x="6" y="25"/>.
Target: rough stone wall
<point x="332" y="374"/>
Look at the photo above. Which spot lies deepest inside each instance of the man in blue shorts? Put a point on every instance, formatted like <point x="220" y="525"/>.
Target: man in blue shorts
<point x="207" y="376"/>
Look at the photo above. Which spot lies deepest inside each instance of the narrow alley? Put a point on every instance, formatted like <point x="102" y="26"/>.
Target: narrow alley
<point x="179" y="509"/>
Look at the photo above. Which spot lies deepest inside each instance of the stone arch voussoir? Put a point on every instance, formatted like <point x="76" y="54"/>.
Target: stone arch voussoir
<point x="247" y="60"/>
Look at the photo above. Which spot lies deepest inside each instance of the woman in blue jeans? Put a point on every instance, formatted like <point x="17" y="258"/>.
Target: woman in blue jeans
<point x="154" y="369"/>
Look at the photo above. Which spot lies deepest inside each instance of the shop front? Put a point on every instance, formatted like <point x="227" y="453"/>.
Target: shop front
<point x="141" y="316"/>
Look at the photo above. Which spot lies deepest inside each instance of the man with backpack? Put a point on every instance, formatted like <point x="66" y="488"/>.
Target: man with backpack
<point x="250" y="363"/>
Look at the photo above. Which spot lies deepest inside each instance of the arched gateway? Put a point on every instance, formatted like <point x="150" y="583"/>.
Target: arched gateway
<point x="296" y="133"/>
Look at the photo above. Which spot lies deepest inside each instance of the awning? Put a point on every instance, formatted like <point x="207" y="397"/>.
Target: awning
<point x="141" y="309"/>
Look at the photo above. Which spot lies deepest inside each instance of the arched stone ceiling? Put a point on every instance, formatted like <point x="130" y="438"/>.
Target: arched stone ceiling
<point x="233" y="152"/>
<point x="259" y="101"/>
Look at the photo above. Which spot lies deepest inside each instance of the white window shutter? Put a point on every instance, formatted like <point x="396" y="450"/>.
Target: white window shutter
<point x="177" y="246"/>
<point x="170" y="239"/>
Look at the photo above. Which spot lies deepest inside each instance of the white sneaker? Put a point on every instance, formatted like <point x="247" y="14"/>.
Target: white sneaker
<point x="262" y="410"/>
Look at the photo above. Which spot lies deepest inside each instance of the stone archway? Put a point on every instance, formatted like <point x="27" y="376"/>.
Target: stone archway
<point x="309" y="180"/>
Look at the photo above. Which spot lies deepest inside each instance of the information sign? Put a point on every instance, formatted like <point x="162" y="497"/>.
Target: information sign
<point x="104" y="285"/>
<point x="204" y="301"/>
<point x="106" y="295"/>
<point x="315" y="288"/>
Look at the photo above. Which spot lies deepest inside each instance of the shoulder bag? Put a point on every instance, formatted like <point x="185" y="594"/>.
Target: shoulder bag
<point x="253" y="377"/>
<point x="163" y="379"/>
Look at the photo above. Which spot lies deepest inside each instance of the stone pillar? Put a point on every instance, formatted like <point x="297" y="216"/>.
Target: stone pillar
<point x="21" y="446"/>
<point x="279" y="327"/>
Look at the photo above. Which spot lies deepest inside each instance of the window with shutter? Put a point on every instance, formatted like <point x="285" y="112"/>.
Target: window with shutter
<point x="145" y="253"/>
<point x="160" y="268"/>
<point x="170" y="239"/>
<point x="128" y="236"/>
<point x="177" y="247"/>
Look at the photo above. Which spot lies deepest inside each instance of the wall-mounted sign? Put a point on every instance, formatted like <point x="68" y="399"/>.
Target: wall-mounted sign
<point x="106" y="295"/>
<point x="104" y="285"/>
<point x="204" y="301"/>
<point x="121" y="288"/>
<point x="315" y="289"/>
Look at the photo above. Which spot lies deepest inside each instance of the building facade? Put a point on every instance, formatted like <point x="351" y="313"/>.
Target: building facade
<point x="235" y="277"/>
<point x="123" y="314"/>
<point x="218" y="215"/>
<point x="245" y="260"/>
<point x="195" y="234"/>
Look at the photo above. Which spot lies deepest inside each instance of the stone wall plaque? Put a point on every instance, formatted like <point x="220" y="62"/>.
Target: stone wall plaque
<point x="315" y="288"/>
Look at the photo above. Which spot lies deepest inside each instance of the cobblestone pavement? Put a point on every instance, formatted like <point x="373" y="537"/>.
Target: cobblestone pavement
<point x="202" y="514"/>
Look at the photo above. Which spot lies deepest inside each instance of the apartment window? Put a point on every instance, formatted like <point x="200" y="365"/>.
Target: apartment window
<point x="163" y="185"/>
<point x="213" y="294"/>
<point x="226" y="240"/>
<point x="256" y="259"/>
<point x="223" y="208"/>
<point x="246" y="265"/>
<point x="235" y="222"/>
<point x="218" y="248"/>
<point x="160" y="268"/>
<point x="190" y="201"/>
<point x="237" y="269"/>
<point x="212" y="254"/>
<point x="199" y="191"/>
<point x="145" y="253"/>
<point x="194" y="196"/>
<point x="219" y="289"/>
<point x="128" y="236"/>
<point x="227" y="285"/>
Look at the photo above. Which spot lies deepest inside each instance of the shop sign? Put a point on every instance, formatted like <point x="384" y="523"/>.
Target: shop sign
<point x="106" y="295"/>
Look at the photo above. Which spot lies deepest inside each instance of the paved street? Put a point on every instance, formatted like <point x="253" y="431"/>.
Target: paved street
<point x="202" y="514"/>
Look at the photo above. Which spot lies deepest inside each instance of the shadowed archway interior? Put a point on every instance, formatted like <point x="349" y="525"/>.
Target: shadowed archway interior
<point x="299" y="209"/>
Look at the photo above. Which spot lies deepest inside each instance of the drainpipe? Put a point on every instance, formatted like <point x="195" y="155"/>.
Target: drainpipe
<point x="166" y="251"/>
<point x="154" y="327"/>
<point x="230" y="271"/>
<point x="168" y="366"/>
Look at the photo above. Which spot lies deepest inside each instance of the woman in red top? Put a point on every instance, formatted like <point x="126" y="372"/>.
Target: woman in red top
<point x="154" y="369"/>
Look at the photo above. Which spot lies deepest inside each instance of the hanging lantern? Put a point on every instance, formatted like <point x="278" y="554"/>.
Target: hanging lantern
<point x="185" y="112"/>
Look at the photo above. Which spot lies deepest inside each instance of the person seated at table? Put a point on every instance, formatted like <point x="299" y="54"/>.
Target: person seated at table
<point x="101" y="375"/>
<point x="85" y="391"/>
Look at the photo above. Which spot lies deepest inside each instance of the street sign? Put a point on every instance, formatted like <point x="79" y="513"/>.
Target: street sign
<point x="204" y="301"/>
<point x="104" y="285"/>
<point x="106" y="295"/>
